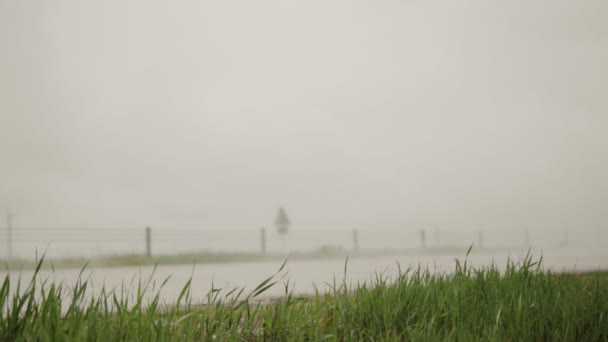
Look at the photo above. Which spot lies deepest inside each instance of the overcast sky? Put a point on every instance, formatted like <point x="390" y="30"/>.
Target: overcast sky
<point x="378" y="113"/>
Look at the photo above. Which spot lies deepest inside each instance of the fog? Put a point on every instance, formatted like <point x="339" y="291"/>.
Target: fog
<point x="371" y="114"/>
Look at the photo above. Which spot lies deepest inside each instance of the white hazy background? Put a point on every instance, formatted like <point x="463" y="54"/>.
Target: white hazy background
<point x="464" y="114"/>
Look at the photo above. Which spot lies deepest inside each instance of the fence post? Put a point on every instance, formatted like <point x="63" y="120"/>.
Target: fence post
<point x="356" y="239"/>
<point x="565" y="242"/>
<point x="9" y="235"/>
<point x="422" y="238"/>
<point x="263" y="240"/>
<point x="437" y="235"/>
<point x="148" y="242"/>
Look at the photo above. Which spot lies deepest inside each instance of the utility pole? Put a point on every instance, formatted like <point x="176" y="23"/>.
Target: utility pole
<point x="9" y="235"/>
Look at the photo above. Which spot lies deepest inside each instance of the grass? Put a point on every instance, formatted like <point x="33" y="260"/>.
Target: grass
<point x="524" y="302"/>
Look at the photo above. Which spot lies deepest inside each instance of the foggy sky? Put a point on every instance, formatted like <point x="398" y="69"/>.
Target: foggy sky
<point x="464" y="114"/>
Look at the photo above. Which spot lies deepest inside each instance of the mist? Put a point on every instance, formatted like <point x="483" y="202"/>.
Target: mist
<point x="373" y="114"/>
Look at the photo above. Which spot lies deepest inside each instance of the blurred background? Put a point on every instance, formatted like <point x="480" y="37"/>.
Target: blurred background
<point x="419" y="124"/>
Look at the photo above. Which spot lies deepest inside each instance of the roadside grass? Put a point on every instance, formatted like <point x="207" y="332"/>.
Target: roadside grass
<point x="523" y="302"/>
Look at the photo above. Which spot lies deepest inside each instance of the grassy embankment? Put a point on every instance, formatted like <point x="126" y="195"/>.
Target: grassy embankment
<point x="522" y="303"/>
<point x="221" y="257"/>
